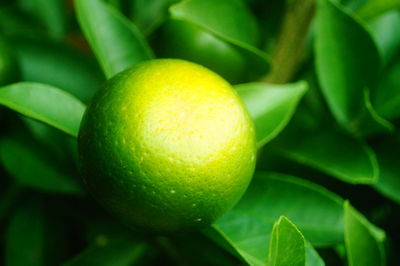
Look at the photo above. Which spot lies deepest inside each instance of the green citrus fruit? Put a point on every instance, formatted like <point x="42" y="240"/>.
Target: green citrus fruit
<point x="167" y="146"/>
<point x="184" y="40"/>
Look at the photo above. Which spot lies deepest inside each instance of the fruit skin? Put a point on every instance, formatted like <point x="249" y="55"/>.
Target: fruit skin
<point x="167" y="146"/>
<point x="184" y="40"/>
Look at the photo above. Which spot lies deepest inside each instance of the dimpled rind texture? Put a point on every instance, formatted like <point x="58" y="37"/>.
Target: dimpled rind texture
<point x="167" y="146"/>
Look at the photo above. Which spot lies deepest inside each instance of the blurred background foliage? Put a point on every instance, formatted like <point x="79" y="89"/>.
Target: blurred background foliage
<point x="321" y="80"/>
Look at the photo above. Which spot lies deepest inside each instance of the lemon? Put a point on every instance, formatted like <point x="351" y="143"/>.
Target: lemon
<point x="167" y="146"/>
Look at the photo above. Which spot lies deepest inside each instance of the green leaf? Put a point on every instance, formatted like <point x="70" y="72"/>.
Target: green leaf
<point x="286" y="245"/>
<point x="387" y="96"/>
<point x="270" y="106"/>
<point x="372" y="122"/>
<point x="207" y="13"/>
<point x="375" y="8"/>
<point x="33" y="237"/>
<point x="244" y="35"/>
<point x="14" y="22"/>
<point x="317" y="212"/>
<point x="116" y="3"/>
<point x="188" y="245"/>
<point x="8" y="199"/>
<point x="44" y="103"/>
<point x="334" y="153"/>
<point x="52" y="14"/>
<point x="52" y="140"/>
<point x="181" y="39"/>
<point x="384" y="31"/>
<point x="389" y="179"/>
<point x="110" y="252"/>
<point x="312" y="257"/>
<point x="364" y="241"/>
<point x="109" y="242"/>
<point x="347" y="67"/>
<point x="25" y="236"/>
<point x="147" y="15"/>
<point x="353" y="4"/>
<point x="116" y="42"/>
<point x="39" y="61"/>
<point x="9" y="68"/>
<point x="28" y="165"/>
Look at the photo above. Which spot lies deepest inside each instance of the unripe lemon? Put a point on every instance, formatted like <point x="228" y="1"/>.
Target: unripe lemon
<point x="167" y="146"/>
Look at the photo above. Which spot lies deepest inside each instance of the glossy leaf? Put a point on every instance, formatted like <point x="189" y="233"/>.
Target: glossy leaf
<point x="317" y="212"/>
<point x="44" y="103"/>
<point x="147" y="15"/>
<point x="372" y="122"/>
<point x="184" y="40"/>
<point x="9" y="68"/>
<point x="109" y="242"/>
<point x="312" y="257"/>
<point x="353" y="5"/>
<point x="286" y="245"/>
<point x="9" y="198"/>
<point x="25" y="236"/>
<point x="387" y="96"/>
<point x="39" y="61"/>
<point x="207" y="15"/>
<point x="364" y="241"/>
<point x="116" y="3"/>
<point x="270" y="106"/>
<point x="14" y="22"/>
<point x="189" y="244"/>
<point x="384" y="31"/>
<point x="375" y="8"/>
<point x="333" y="153"/>
<point x="389" y="178"/>
<point x="33" y="237"/>
<point x="28" y="165"/>
<point x="347" y="67"/>
<point x="52" y="14"/>
<point x="110" y="252"/>
<point x="116" y="42"/>
<point x="54" y="141"/>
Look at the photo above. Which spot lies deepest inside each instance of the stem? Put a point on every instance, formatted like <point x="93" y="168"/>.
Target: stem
<point x="289" y="47"/>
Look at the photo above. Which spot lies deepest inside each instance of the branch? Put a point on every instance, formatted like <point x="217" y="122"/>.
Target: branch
<point x="289" y="47"/>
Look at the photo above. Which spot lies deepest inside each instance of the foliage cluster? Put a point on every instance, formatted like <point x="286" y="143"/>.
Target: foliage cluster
<point x="321" y="80"/>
